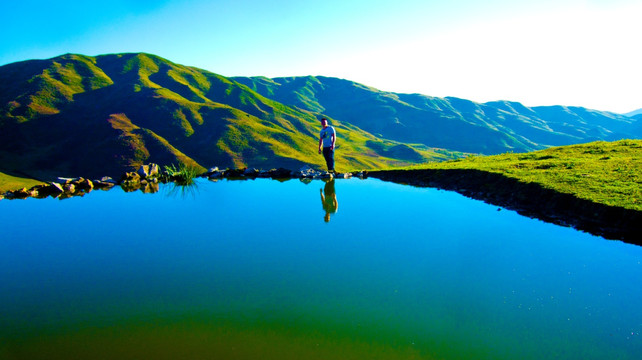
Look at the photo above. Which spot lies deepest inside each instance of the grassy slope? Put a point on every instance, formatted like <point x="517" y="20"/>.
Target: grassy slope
<point x="129" y="109"/>
<point x="603" y="172"/>
<point x="9" y="182"/>
<point x="451" y="123"/>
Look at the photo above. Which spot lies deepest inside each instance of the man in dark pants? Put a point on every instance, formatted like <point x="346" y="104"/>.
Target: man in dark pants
<point x="327" y="138"/>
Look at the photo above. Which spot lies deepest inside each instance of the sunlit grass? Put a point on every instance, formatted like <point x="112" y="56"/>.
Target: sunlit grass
<point x="604" y="172"/>
<point x="8" y="182"/>
<point x="181" y="174"/>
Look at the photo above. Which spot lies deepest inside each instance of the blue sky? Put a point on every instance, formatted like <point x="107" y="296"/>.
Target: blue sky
<point x="544" y="52"/>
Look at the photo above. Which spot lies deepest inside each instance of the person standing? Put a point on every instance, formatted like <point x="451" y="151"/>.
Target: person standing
<point x="327" y="139"/>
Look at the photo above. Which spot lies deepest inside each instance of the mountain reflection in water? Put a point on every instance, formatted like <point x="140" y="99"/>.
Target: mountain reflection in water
<point x="247" y="270"/>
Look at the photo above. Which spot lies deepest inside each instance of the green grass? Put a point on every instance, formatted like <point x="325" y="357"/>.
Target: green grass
<point x="8" y="182"/>
<point x="603" y="172"/>
<point x="166" y="113"/>
<point x="182" y="174"/>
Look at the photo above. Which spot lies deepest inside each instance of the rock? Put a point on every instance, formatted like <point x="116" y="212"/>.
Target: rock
<point x="211" y="171"/>
<point x="216" y="175"/>
<point x="130" y="177"/>
<point x="100" y="184"/>
<point x="55" y="188"/>
<point x="251" y="172"/>
<point x="149" y="170"/>
<point x="64" y="180"/>
<point x="280" y="173"/>
<point x="107" y="179"/>
<point x="265" y="173"/>
<point x="234" y="172"/>
<point x="307" y="171"/>
<point x="149" y="187"/>
<point x="69" y="188"/>
<point x="84" y="184"/>
<point x="21" y="193"/>
<point x="44" y="190"/>
<point x="130" y="186"/>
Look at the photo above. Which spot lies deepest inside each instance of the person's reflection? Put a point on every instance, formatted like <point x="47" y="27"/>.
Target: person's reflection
<point x="329" y="199"/>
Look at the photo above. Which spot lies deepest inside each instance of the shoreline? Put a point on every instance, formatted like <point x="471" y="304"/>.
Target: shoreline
<point x="528" y="199"/>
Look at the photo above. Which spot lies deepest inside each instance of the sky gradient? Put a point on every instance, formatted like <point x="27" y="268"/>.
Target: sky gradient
<point x="565" y="52"/>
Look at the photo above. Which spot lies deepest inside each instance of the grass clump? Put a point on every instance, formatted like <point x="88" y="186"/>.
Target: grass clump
<point x="181" y="174"/>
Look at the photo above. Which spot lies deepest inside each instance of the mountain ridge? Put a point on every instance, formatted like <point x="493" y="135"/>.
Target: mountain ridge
<point x="505" y="125"/>
<point x="94" y="116"/>
<point x="102" y="115"/>
<point x="634" y="113"/>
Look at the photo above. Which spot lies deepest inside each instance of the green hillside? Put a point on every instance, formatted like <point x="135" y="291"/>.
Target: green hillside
<point x="77" y="115"/>
<point x="10" y="182"/>
<point x="608" y="173"/>
<point x="450" y="123"/>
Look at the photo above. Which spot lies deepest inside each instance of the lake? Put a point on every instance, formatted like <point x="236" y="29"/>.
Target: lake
<point x="351" y="269"/>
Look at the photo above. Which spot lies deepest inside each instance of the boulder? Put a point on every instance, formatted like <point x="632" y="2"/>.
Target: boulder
<point x="234" y="172"/>
<point x="211" y="171"/>
<point x="107" y="179"/>
<point x="130" y="186"/>
<point x="149" y="187"/>
<point x="265" y="173"/>
<point x="324" y="175"/>
<point x="251" y="172"/>
<point x="69" y="188"/>
<point x="130" y="177"/>
<point x="99" y="184"/>
<point x="215" y="175"/>
<point x="55" y="188"/>
<point x="84" y="184"/>
<point x="21" y="193"/>
<point x="64" y="180"/>
<point x="44" y="190"/>
<point x="306" y="171"/>
<point x="280" y="173"/>
<point x="149" y="170"/>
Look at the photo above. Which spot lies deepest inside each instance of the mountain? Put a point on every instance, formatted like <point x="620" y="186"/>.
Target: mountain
<point x="77" y="115"/>
<point x="450" y="123"/>
<point x="634" y="113"/>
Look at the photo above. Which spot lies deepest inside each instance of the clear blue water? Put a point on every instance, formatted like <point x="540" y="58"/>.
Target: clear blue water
<point x="419" y="271"/>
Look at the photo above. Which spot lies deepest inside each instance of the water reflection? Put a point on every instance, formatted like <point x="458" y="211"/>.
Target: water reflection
<point x="181" y="190"/>
<point x="329" y="199"/>
<point x="501" y="287"/>
<point x="147" y="187"/>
